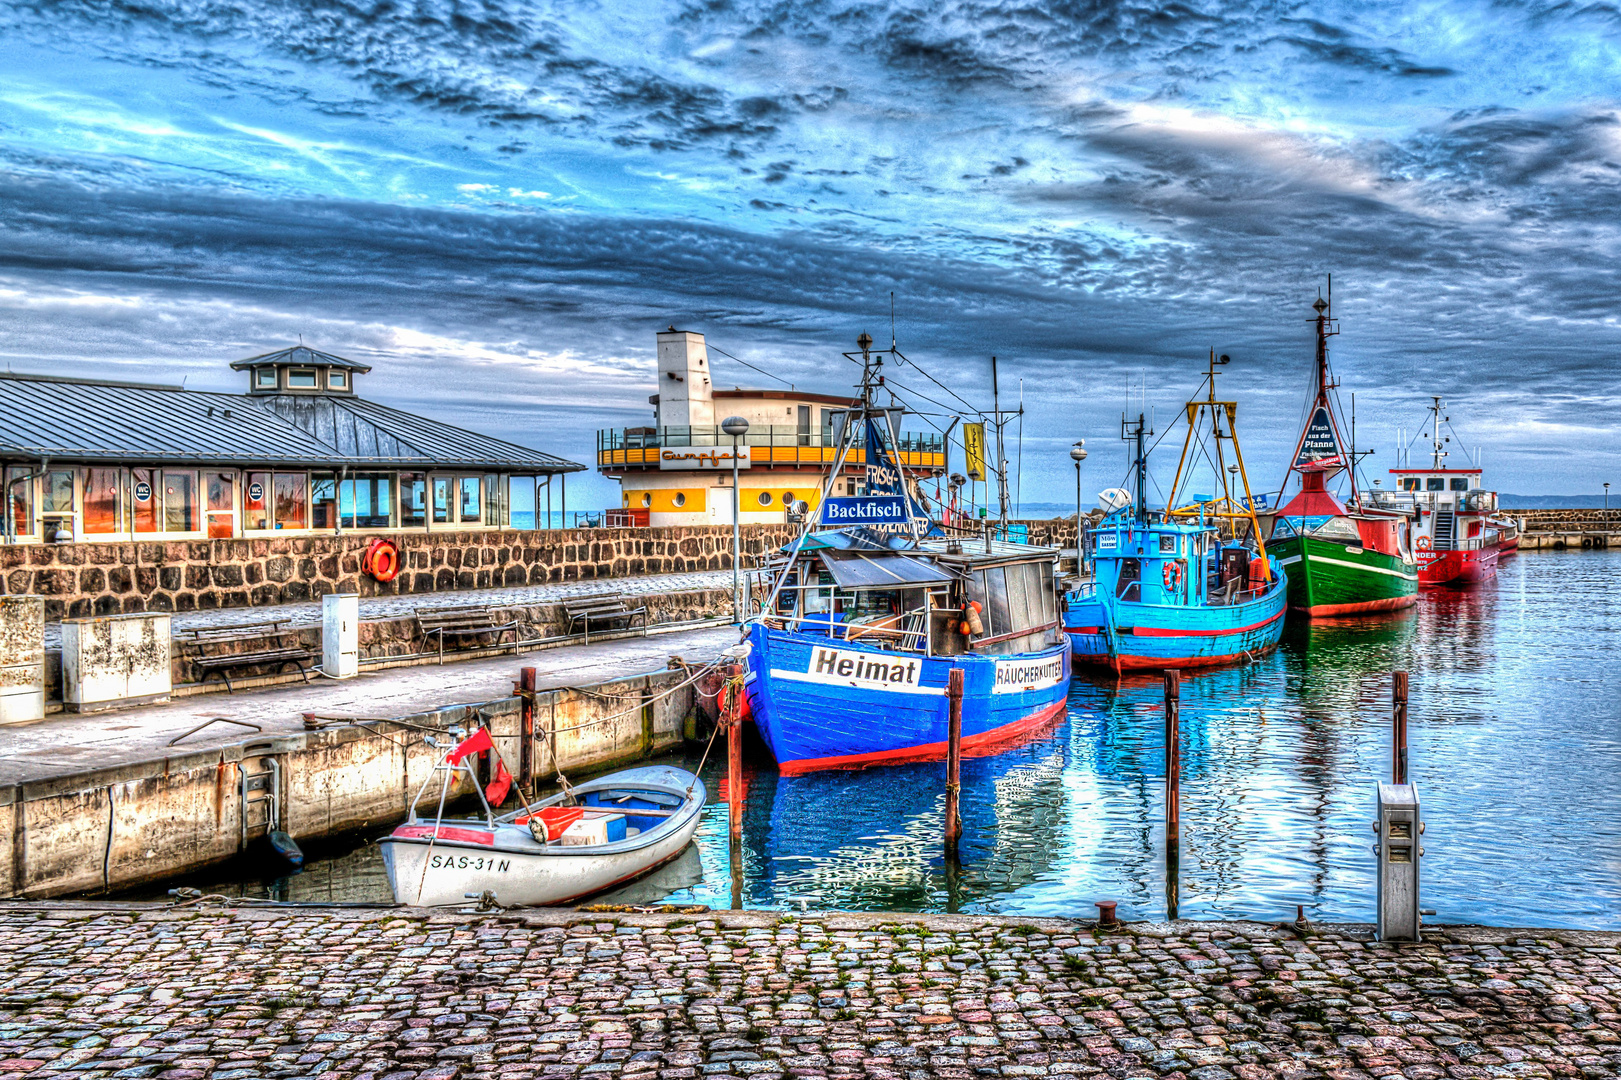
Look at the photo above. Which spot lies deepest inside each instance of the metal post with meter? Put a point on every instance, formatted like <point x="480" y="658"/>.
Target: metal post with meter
<point x="1399" y="827"/>
<point x="1399" y="854"/>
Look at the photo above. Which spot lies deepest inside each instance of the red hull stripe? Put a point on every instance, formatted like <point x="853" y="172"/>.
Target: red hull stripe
<point x="1149" y="631"/>
<point x="1150" y="663"/>
<point x="470" y="836"/>
<point x="985" y="743"/>
<point x="1389" y="603"/>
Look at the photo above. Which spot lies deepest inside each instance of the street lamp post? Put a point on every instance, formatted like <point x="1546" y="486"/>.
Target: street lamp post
<point x="1077" y="454"/>
<point x="736" y="427"/>
<point x="1606" y="496"/>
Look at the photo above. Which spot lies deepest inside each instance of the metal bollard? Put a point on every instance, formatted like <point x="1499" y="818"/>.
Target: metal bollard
<point x="1399" y="853"/>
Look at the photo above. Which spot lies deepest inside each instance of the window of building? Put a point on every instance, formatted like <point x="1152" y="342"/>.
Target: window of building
<point x="1460" y="483"/>
<point x="20" y="493"/>
<point x="765" y="498"/>
<point x="495" y="501"/>
<point x="147" y="497"/>
<point x="292" y="503"/>
<point x="323" y="501"/>
<point x="101" y="499"/>
<point x="787" y="498"/>
<point x="367" y="501"/>
<point x="301" y="378"/>
<point x="413" y="500"/>
<point x="469" y="501"/>
<point x="56" y="492"/>
<point x="1437" y="483"/>
<point x="647" y="498"/>
<point x="680" y="498"/>
<point x="220" y="491"/>
<point x="256" y="501"/>
<point x="441" y="499"/>
<point x="264" y="378"/>
<point x="180" y="501"/>
<point x="337" y="380"/>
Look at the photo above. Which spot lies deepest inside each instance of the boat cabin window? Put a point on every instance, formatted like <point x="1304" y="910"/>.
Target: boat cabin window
<point x="1128" y="582"/>
<point x="1436" y="483"/>
<point x="1339" y="528"/>
<point x="1460" y="483"/>
<point x="1019" y="605"/>
<point x="1409" y="483"/>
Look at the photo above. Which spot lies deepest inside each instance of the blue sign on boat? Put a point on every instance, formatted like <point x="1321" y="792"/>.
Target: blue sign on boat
<point x="865" y="510"/>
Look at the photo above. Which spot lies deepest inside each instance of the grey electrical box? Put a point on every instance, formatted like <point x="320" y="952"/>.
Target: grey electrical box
<point x="1399" y="852"/>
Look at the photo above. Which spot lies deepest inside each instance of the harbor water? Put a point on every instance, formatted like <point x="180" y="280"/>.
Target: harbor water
<point x="1515" y="745"/>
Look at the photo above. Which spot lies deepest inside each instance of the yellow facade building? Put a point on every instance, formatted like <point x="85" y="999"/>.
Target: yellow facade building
<point x="679" y="470"/>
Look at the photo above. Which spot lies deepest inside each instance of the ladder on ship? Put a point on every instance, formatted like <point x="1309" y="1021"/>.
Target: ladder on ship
<point x="1445" y="528"/>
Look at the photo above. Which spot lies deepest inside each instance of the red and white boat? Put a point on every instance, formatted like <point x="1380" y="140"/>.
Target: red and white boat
<point x="1458" y="534"/>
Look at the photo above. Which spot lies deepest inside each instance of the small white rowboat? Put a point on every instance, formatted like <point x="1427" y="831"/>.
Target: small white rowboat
<point x="442" y="863"/>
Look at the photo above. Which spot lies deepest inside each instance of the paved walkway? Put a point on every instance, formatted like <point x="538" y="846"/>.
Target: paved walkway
<point x="68" y="743"/>
<point x="203" y="993"/>
<point x="394" y="607"/>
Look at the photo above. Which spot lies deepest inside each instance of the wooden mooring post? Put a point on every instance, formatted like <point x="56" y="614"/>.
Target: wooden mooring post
<point x="526" y="754"/>
<point x="1398" y="724"/>
<point x="953" y="762"/>
<point x="734" y="779"/>
<point x="1173" y="790"/>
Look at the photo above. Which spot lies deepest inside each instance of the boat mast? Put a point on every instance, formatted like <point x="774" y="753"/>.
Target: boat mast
<point x="1435" y="434"/>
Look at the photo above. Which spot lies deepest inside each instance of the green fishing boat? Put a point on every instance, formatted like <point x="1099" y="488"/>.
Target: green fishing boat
<point x="1339" y="560"/>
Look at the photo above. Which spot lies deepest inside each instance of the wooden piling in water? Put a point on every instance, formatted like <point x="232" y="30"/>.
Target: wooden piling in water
<point x="734" y="779"/>
<point x="1173" y="790"/>
<point x="953" y="761"/>
<point x="1398" y="723"/>
<point x="526" y="754"/>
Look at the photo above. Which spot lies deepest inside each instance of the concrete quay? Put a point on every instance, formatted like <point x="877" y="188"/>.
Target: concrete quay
<point x="116" y="799"/>
<point x="197" y="992"/>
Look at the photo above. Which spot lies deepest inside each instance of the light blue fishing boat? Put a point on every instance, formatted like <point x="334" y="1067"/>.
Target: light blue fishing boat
<point x="1167" y="590"/>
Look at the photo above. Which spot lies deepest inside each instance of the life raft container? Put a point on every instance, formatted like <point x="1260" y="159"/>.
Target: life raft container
<point x="382" y="560"/>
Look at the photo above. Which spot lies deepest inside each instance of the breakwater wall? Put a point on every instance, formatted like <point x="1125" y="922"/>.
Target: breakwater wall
<point x="114" y="828"/>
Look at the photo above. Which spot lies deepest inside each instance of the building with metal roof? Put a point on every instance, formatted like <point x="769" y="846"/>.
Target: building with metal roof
<point x="300" y="451"/>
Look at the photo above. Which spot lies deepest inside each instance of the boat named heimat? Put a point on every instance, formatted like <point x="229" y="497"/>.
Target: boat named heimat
<point x="1459" y="533"/>
<point x="1192" y="586"/>
<point x="873" y="606"/>
<point x="1340" y="560"/>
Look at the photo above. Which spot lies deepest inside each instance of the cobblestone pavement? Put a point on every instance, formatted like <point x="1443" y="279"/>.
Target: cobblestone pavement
<point x="394" y="607"/>
<point x="399" y="995"/>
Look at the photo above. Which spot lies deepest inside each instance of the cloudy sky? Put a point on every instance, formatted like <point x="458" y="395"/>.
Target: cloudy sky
<point x="498" y="203"/>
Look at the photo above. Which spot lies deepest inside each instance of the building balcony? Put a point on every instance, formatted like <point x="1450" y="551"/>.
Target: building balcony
<point x="622" y="449"/>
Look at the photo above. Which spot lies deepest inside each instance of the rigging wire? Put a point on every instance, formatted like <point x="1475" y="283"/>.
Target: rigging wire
<point x="745" y="363"/>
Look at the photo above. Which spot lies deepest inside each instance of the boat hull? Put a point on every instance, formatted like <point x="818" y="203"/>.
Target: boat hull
<point x="439" y="866"/>
<point x="1328" y="578"/>
<point x="1457" y="567"/>
<point x="822" y="704"/>
<point x="1148" y="637"/>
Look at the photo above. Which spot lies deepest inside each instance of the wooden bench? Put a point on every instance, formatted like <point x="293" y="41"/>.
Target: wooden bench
<point x="200" y="644"/>
<point x="462" y="622"/>
<point x="602" y="608"/>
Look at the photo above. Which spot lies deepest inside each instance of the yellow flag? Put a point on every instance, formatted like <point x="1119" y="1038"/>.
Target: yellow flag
<point x="973" y="443"/>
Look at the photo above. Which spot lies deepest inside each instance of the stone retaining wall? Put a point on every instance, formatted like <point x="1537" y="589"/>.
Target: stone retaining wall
<point x="84" y="579"/>
<point x="1573" y="520"/>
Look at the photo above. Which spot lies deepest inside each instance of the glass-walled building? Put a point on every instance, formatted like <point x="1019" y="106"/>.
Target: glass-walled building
<point x="299" y="453"/>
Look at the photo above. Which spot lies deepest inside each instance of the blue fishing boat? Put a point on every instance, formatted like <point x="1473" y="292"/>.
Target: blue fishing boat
<point x="851" y="653"/>
<point x="1176" y="589"/>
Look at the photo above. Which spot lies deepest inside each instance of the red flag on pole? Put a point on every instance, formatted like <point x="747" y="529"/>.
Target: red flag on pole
<point x="479" y="740"/>
<point x="496" y="793"/>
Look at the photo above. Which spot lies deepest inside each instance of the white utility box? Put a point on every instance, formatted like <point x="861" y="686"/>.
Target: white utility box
<point x="340" y="634"/>
<point x="115" y="660"/>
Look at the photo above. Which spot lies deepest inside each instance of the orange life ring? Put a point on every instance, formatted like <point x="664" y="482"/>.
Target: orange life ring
<point x="382" y="560"/>
<point x="1172" y="576"/>
<point x="1424" y="543"/>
